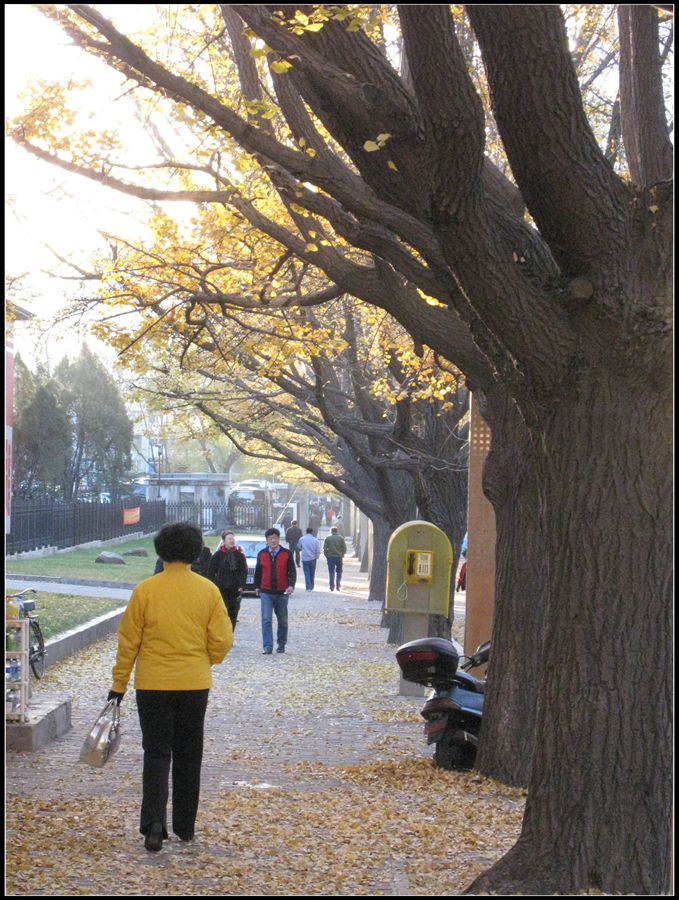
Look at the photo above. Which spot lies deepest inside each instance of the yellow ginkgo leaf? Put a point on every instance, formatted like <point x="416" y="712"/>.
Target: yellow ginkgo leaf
<point x="280" y="66"/>
<point x="371" y="146"/>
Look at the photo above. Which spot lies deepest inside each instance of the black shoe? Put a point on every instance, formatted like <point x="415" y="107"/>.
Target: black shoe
<point x="154" y="838"/>
<point x="280" y="649"/>
<point x="266" y="652"/>
<point x="185" y="838"/>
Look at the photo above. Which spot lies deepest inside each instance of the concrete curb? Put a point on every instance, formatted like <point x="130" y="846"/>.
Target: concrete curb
<point x="71" y="641"/>
<point x="123" y="585"/>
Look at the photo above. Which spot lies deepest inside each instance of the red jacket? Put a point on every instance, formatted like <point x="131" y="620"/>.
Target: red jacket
<point x="277" y="575"/>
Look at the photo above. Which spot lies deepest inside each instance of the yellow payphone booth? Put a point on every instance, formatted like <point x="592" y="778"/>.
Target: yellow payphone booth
<point x="419" y="570"/>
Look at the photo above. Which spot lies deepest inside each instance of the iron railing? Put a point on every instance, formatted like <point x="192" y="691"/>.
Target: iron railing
<point x="218" y="516"/>
<point x="53" y="523"/>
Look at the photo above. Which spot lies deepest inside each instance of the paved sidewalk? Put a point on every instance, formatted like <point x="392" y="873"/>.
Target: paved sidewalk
<point x="275" y="728"/>
<point x="315" y="702"/>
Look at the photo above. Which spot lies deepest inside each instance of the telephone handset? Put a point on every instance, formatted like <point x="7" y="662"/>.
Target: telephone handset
<point x="419" y="566"/>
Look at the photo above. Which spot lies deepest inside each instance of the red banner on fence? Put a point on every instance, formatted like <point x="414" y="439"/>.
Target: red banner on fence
<point x="131" y="516"/>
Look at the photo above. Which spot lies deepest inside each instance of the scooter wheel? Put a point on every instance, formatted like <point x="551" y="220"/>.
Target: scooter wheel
<point x="448" y="755"/>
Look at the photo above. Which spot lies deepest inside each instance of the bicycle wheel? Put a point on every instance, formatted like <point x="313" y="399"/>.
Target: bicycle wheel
<point x="36" y="649"/>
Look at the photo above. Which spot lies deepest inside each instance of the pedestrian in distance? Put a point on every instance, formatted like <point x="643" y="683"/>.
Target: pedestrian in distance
<point x="310" y="549"/>
<point x="228" y="569"/>
<point x="334" y="548"/>
<point x="462" y="576"/>
<point x="274" y="581"/>
<point x="314" y="522"/>
<point x="174" y="628"/>
<point x="286" y="521"/>
<point x="292" y="536"/>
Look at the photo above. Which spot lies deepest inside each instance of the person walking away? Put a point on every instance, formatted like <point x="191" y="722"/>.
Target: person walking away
<point x="310" y="549"/>
<point x="228" y="569"/>
<point x="292" y="536"/>
<point x="334" y="548"/>
<point x="340" y="525"/>
<point x="274" y="581"/>
<point x="314" y="523"/>
<point x="174" y="628"/>
<point x="199" y="565"/>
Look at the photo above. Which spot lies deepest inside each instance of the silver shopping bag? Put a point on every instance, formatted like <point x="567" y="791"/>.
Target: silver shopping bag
<point x="104" y="737"/>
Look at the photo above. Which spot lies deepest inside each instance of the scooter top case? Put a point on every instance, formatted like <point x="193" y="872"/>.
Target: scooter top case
<point x="429" y="661"/>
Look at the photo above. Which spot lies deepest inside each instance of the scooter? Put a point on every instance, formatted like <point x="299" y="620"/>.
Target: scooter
<point x="452" y="714"/>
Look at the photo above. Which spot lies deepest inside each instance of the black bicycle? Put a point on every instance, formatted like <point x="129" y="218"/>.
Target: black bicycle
<point x="36" y="641"/>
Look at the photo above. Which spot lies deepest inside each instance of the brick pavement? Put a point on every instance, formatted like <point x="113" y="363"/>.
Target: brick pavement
<point x="328" y="699"/>
<point x="276" y="727"/>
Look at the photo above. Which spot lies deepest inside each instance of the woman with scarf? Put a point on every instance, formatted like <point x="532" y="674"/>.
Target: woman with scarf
<point x="229" y="570"/>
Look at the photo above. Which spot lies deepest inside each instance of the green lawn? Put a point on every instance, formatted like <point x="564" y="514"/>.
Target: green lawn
<point x="61" y="612"/>
<point x="81" y="563"/>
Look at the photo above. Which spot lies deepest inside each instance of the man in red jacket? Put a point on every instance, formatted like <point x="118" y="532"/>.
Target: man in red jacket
<point x="274" y="581"/>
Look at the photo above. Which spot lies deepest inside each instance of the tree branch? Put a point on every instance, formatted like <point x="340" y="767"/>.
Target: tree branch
<point x="644" y="127"/>
<point x="569" y="188"/>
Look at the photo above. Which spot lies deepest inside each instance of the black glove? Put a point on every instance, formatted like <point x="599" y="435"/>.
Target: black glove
<point x="115" y="695"/>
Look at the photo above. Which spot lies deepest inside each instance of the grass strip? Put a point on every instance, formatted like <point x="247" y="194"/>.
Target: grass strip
<point x="62" y="612"/>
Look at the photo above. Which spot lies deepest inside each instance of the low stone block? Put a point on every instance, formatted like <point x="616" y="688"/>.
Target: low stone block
<point x="139" y="552"/>
<point x="47" y="720"/>
<point x="114" y="559"/>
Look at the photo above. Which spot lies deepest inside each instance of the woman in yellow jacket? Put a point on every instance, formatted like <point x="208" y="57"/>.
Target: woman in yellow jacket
<point x="175" y="628"/>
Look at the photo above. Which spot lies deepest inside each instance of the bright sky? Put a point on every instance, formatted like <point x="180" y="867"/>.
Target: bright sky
<point x="46" y="207"/>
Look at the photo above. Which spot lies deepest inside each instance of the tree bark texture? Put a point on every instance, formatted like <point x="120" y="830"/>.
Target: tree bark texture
<point x="510" y="483"/>
<point x="605" y="483"/>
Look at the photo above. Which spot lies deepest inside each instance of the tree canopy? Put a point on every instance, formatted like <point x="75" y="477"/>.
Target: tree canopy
<point x="72" y="432"/>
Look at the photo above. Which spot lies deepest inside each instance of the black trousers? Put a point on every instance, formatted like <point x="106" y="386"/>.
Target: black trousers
<point x="172" y="736"/>
<point x="231" y="598"/>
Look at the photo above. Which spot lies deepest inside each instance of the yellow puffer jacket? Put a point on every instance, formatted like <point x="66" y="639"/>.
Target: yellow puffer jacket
<point x="175" y="627"/>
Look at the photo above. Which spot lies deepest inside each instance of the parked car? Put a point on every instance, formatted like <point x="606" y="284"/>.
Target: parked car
<point x="250" y="547"/>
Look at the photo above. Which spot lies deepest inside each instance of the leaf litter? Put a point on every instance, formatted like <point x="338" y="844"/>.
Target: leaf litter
<point x="283" y="812"/>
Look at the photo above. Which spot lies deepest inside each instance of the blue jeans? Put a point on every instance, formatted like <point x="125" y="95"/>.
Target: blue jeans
<point x="309" y="572"/>
<point x="271" y="603"/>
<point x="335" y="571"/>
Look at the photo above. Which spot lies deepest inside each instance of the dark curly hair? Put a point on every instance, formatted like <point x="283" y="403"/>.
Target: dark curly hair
<point x="178" y="542"/>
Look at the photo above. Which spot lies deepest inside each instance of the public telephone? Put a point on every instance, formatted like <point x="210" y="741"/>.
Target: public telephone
<point x="419" y="566"/>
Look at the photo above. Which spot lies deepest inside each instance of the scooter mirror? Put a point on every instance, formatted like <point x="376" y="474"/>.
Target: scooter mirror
<point x="481" y="655"/>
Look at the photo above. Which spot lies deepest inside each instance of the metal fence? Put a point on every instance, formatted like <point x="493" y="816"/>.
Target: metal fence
<point x="54" y="523"/>
<point x="218" y="516"/>
<point x="207" y="516"/>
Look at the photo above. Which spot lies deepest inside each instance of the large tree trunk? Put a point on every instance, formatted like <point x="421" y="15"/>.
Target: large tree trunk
<point x="510" y="484"/>
<point x="447" y="510"/>
<point x="378" y="573"/>
<point x="606" y="487"/>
